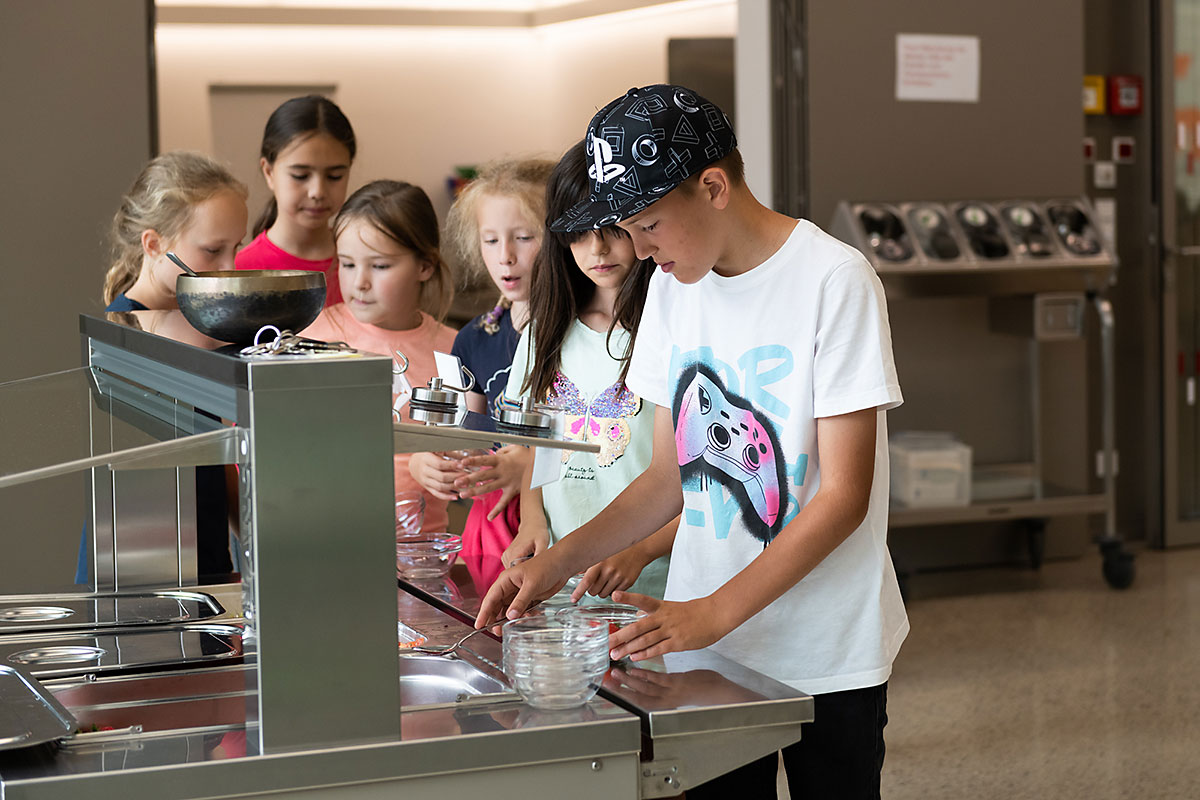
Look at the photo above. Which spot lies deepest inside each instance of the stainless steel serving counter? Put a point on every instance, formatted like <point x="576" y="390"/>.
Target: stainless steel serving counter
<point x="656" y="728"/>
<point x="292" y="688"/>
<point x="182" y="734"/>
<point x="701" y="714"/>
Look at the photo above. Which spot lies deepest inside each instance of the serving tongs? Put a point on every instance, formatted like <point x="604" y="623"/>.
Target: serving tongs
<point x="445" y="651"/>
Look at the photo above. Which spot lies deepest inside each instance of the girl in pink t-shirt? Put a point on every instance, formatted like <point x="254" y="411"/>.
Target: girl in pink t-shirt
<point x="390" y="267"/>
<point x="307" y="148"/>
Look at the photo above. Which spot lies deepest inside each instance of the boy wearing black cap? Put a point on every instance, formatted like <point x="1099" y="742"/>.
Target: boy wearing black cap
<point x="765" y="345"/>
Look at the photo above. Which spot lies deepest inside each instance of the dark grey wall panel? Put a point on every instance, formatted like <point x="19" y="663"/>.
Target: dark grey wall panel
<point x="1021" y="138"/>
<point x="77" y="109"/>
<point x="78" y="115"/>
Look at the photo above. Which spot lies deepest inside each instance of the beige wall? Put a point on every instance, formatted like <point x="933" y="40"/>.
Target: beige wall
<point x="424" y="99"/>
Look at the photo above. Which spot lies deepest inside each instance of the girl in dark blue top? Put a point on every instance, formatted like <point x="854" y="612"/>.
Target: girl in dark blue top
<point x="494" y="228"/>
<point x="188" y="204"/>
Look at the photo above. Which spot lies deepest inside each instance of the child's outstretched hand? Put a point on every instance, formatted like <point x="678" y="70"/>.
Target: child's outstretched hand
<point x="436" y="474"/>
<point x="528" y="542"/>
<point x="612" y="574"/>
<point x="521" y="587"/>
<point x="669" y="627"/>
<point x="503" y="470"/>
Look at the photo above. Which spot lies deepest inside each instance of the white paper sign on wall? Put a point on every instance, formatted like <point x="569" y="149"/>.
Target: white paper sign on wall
<point x="936" y="68"/>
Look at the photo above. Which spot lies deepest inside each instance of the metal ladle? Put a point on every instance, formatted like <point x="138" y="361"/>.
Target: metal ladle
<point x="179" y="263"/>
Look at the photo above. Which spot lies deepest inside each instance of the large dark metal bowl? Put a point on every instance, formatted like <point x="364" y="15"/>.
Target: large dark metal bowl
<point x="232" y="305"/>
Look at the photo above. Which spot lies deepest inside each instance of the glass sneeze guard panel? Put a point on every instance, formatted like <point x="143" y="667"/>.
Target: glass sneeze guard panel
<point x="81" y="418"/>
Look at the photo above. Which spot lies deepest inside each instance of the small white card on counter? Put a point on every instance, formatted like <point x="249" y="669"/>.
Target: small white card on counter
<point x="449" y="369"/>
<point x="547" y="467"/>
<point x="549" y="464"/>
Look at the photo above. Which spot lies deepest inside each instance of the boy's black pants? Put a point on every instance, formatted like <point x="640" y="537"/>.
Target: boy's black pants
<point x="840" y="756"/>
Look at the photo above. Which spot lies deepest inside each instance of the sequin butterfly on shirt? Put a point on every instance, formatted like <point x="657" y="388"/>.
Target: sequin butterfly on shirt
<point x="603" y="421"/>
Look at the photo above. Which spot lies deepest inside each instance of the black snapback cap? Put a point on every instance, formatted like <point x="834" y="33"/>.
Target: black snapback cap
<point x="641" y="146"/>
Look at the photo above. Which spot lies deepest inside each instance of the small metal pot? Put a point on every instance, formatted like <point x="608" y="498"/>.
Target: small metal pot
<point x="232" y="305"/>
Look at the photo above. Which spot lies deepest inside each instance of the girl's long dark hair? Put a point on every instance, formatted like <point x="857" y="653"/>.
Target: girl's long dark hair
<point x="300" y="117"/>
<point x="559" y="289"/>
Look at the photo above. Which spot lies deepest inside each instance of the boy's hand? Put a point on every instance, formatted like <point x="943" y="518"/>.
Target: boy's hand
<point x="668" y="627"/>
<point x="521" y="587"/>
<point x="435" y="474"/>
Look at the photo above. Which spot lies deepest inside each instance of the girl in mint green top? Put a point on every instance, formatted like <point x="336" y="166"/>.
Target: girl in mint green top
<point x="585" y="302"/>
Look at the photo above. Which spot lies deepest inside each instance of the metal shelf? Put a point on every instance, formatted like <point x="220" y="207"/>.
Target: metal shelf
<point x="1051" y="501"/>
<point x="415" y="437"/>
<point x="990" y="281"/>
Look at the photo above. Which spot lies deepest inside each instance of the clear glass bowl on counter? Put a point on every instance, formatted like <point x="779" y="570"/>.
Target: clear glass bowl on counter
<point x="614" y="615"/>
<point x="410" y="515"/>
<point x="430" y="556"/>
<point x="555" y="661"/>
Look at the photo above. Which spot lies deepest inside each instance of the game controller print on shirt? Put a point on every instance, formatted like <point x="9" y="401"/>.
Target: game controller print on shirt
<point x="601" y="421"/>
<point x="720" y="436"/>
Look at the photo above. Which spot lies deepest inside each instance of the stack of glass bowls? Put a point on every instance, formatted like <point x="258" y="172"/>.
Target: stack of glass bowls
<point x="556" y="661"/>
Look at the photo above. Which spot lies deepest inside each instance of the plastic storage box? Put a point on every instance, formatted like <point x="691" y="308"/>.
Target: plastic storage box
<point x="929" y="469"/>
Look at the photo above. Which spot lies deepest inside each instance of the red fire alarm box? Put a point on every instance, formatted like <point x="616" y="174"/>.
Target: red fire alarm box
<point x="1124" y="94"/>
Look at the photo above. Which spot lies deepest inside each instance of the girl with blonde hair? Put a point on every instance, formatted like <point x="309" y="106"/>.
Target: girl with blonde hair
<point x="181" y="202"/>
<point x="188" y="204"/>
<point x="494" y="228"/>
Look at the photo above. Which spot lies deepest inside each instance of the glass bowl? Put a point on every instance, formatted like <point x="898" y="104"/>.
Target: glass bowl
<point x="431" y="556"/>
<point x="410" y="515"/>
<point x="614" y="615"/>
<point x="555" y="661"/>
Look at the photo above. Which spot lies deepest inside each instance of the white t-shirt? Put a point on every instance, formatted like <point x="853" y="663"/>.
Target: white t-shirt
<point x="747" y="364"/>
<point x="600" y="409"/>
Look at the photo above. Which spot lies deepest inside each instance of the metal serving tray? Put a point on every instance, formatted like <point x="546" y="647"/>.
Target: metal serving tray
<point x="29" y="715"/>
<point x="428" y="680"/>
<point x="65" y="612"/>
<point x="77" y="653"/>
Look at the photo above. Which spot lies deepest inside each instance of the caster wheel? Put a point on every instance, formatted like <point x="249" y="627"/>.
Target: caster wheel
<point x="1035" y="540"/>
<point x="1118" y="566"/>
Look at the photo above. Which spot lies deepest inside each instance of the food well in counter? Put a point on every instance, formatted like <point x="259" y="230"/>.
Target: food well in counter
<point x="120" y="649"/>
<point x="61" y="612"/>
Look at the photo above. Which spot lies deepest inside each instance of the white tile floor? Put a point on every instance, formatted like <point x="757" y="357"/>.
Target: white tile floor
<point x="1018" y="684"/>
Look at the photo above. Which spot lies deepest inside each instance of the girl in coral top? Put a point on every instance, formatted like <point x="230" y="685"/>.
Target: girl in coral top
<point x="390" y="269"/>
<point x="307" y="148"/>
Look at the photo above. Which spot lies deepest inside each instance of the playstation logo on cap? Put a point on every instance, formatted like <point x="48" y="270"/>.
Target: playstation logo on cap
<point x="641" y="146"/>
